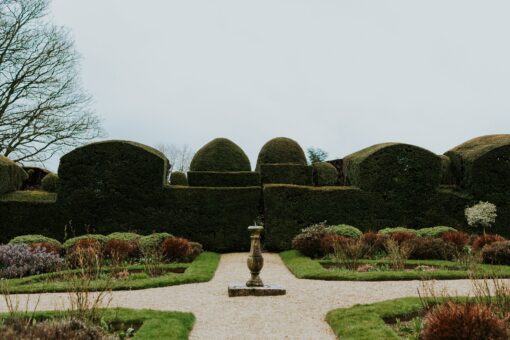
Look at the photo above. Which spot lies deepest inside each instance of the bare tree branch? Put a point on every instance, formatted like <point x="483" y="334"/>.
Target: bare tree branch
<point x="179" y="156"/>
<point x="43" y="109"/>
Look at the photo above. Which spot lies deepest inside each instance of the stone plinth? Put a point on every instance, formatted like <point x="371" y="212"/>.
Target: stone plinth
<point x="240" y="289"/>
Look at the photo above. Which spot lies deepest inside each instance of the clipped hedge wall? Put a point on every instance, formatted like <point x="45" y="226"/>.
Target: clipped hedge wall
<point x="111" y="184"/>
<point x="12" y="175"/>
<point x="281" y="150"/>
<point x="324" y="174"/>
<point x="482" y="166"/>
<point x="178" y="178"/>
<point x="223" y="179"/>
<point x="393" y="167"/>
<point x="220" y="154"/>
<point x="290" y="208"/>
<point x="286" y="174"/>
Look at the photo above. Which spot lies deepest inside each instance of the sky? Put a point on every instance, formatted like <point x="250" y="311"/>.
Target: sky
<point x="339" y="75"/>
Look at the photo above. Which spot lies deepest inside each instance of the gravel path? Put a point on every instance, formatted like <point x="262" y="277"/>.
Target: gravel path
<point x="297" y="315"/>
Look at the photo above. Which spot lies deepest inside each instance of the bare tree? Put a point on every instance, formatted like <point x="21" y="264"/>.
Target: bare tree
<point x="43" y="108"/>
<point x="179" y="156"/>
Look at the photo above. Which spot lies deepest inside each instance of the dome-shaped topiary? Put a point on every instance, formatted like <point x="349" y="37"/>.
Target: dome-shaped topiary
<point x="345" y="230"/>
<point x="324" y="174"/>
<point x="178" y="178"/>
<point x="220" y="154"/>
<point x="281" y="150"/>
<point x="50" y="182"/>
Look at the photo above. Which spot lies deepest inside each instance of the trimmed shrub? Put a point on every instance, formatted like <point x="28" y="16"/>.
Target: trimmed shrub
<point x="152" y="243"/>
<point x="72" y="241"/>
<point x="388" y="231"/>
<point x="12" y="175"/>
<point x="220" y="154"/>
<point x="120" y="250"/>
<point x="481" y="240"/>
<point x="393" y="167"/>
<point x="324" y="174"/>
<point x="458" y="239"/>
<point x="434" y="231"/>
<point x="223" y="179"/>
<point x="29" y="239"/>
<point x="463" y="322"/>
<point x="345" y="230"/>
<point x="85" y="253"/>
<point x="497" y="253"/>
<point x="375" y="242"/>
<point x="178" y="178"/>
<point x="482" y="164"/>
<point x="329" y="242"/>
<point x="19" y="260"/>
<point x="430" y="248"/>
<point x="176" y="249"/>
<point x="309" y="241"/>
<point x="47" y="247"/>
<point x="281" y="150"/>
<point x="50" y="182"/>
<point x="196" y="249"/>
<point x="402" y="236"/>
<point x="286" y="174"/>
<point x="123" y="236"/>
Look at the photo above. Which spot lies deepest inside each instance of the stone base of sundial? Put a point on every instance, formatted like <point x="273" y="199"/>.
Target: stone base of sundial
<point x="241" y="289"/>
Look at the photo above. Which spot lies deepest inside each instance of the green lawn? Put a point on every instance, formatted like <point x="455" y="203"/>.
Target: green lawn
<point x="155" y="324"/>
<point x="367" y="321"/>
<point x="305" y="268"/>
<point x="200" y="270"/>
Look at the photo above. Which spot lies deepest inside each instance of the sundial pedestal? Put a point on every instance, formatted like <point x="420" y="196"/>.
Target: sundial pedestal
<point x="254" y="286"/>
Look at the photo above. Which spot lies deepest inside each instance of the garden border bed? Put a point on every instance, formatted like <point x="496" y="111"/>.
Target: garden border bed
<point x="367" y="321"/>
<point x="202" y="269"/>
<point x="155" y="324"/>
<point x="304" y="267"/>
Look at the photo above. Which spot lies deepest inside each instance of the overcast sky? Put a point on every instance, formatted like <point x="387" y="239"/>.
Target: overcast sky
<point x="339" y="75"/>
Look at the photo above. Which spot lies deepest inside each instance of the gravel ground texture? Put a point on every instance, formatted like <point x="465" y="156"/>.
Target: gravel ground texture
<point x="297" y="315"/>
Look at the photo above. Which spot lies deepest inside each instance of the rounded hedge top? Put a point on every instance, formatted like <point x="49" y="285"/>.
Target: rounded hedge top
<point x="281" y="150"/>
<point x="345" y="230"/>
<point x="220" y="154"/>
<point x="434" y="231"/>
<point x="324" y="173"/>
<point x="398" y="230"/>
<point x="29" y="239"/>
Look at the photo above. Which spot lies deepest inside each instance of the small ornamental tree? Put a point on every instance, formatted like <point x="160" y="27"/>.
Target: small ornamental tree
<point x="482" y="214"/>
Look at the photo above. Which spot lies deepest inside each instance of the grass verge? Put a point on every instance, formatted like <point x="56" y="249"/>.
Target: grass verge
<point x="155" y="324"/>
<point x="367" y="321"/>
<point x="200" y="270"/>
<point x="304" y="267"/>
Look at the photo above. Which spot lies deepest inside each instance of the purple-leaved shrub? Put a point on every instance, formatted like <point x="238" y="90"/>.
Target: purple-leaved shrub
<point x="20" y="260"/>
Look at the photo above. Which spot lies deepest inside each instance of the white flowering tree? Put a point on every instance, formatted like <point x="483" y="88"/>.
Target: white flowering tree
<point x="481" y="215"/>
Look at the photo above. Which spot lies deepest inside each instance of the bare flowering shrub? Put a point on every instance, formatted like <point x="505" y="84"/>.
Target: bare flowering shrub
<point x="20" y="260"/>
<point x="481" y="215"/>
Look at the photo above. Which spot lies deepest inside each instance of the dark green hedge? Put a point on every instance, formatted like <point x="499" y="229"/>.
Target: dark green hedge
<point x="281" y="150"/>
<point x="482" y="165"/>
<point x="30" y="212"/>
<point x="12" y="175"/>
<point x="112" y="183"/>
<point x="220" y="154"/>
<point x="178" y="178"/>
<point x="223" y="179"/>
<point x="393" y="167"/>
<point x="286" y="174"/>
<point x="290" y="208"/>
<point x="324" y="174"/>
